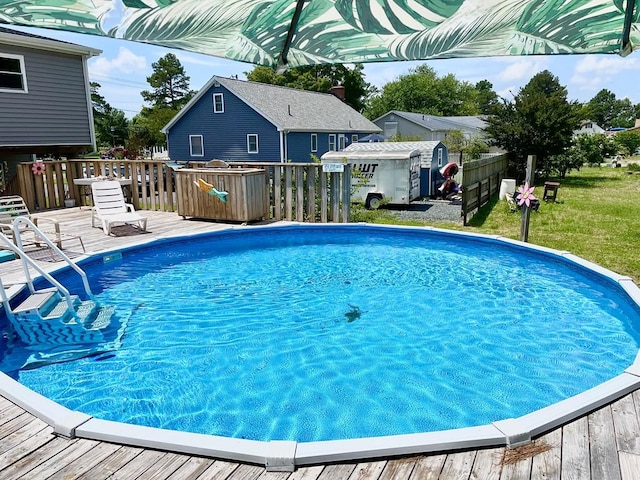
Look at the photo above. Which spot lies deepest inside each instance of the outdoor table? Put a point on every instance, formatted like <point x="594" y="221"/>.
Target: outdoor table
<point x="86" y="184"/>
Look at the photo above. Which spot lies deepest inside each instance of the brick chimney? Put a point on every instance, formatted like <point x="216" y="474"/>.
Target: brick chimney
<point x="338" y="91"/>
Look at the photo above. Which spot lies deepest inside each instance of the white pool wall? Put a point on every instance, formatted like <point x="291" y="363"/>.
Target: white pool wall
<point x="286" y="455"/>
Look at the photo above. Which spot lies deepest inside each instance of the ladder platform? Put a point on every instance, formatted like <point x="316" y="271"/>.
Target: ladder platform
<point x="35" y="301"/>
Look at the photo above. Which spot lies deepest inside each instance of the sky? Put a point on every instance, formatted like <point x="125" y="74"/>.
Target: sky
<point x="123" y="67"/>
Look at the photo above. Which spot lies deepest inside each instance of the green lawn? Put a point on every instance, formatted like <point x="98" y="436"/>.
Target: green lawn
<point x="597" y="217"/>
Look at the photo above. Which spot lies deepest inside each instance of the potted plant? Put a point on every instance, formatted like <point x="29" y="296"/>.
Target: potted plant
<point x="68" y="201"/>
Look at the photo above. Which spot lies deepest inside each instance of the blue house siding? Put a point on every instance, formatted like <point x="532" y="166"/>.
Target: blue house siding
<point x="224" y="134"/>
<point x="299" y="144"/>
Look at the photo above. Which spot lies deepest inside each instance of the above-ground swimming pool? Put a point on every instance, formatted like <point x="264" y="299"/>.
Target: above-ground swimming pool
<point x="313" y="333"/>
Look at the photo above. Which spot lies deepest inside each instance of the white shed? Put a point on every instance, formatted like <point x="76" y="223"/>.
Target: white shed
<point x="433" y="156"/>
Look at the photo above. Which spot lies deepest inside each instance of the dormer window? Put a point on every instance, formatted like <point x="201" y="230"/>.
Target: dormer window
<point x="13" y="77"/>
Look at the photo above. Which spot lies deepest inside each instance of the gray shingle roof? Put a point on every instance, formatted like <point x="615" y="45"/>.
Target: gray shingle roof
<point x="291" y="109"/>
<point x="435" y="123"/>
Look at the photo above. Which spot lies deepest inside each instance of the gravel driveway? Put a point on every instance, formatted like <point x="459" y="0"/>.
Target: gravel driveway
<point x="428" y="211"/>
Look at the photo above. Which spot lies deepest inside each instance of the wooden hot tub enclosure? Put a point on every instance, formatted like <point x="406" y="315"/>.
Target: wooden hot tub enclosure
<point x="247" y="199"/>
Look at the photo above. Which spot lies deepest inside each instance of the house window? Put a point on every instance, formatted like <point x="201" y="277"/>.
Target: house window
<point x="354" y="138"/>
<point x="342" y="142"/>
<point x="218" y="103"/>
<point x="196" y="146"/>
<point x="12" y="73"/>
<point x="332" y="142"/>
<point x="314" y="142"/>
<point x="439" y="157"/>
<point x="252" y="143"/>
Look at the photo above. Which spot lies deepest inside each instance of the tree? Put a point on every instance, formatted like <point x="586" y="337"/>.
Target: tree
<point x="487" y="98"/>
<point x="608" y="111"/>
<point x="98" y="102"/>
<point x="422" y="91"/>
<point x="170" y="84"/>
<point x="628" y="140"/>
<point x="475" y="147"/>
<point x="540" y="121"/>
<point x="625" y="113"/>
<point x="111" y="125"/>
<point x="146" y="126"/>
<point x="456" y="143"/>
<point x="320" y="78"/>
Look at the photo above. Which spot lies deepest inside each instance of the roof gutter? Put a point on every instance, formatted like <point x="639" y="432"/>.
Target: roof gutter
<point x="48" y="45"/>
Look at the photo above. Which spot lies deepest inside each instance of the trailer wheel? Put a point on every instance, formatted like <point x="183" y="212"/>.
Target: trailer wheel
<point x="374" y="200"/>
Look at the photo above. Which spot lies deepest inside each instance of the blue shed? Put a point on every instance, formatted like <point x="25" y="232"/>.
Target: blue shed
<point x="236" y="120"/>
<point x="433" y="156"/>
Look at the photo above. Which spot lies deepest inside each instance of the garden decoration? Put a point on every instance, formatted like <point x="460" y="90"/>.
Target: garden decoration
<point x="525" y="195"/>
<point x="211" y="190"/>
<point x="292" y="33"/>
<point x="37" y="168"/>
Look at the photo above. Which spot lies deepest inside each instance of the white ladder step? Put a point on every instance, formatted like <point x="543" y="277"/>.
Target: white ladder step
<point x="12" y="290"/>
<point x="35" y="301"/>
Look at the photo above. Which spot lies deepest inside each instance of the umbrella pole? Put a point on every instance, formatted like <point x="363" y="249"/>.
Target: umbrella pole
<point x="526" y="211"/>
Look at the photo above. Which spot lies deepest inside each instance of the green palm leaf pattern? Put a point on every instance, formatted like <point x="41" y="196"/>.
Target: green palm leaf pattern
<point x="72" y="15"/>
<point x="395" y="16"/>
<point x="476" y="29"/>
<point x="563" y="27"/>
<point x="331" y="31"/>
<point x="210" y="27"/>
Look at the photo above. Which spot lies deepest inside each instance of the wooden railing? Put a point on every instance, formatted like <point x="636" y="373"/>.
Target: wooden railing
<point x="304" y="193"/>
<point x="480" y="180"/>
<point x="152" y="186"/>
<point x="297" y="191"/>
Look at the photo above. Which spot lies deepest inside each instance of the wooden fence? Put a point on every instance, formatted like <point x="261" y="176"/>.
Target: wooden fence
<point x="297" y="191"/>
<point x="480" y="180"/>
<point x="303" y="192"/>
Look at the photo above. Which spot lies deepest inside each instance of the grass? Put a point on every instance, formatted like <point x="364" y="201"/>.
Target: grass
<point x="596" y="216"/>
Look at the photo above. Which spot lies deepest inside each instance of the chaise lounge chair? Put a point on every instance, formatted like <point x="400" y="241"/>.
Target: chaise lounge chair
<point x="110" y="208"/>
<point x="12" y="207"/>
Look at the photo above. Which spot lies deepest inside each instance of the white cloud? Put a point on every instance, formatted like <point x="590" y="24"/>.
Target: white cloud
<point x="508" y="92"/>
<point x="125" y="62"/>
<point x="521" y="69"/>
<point x="593" y="73"/>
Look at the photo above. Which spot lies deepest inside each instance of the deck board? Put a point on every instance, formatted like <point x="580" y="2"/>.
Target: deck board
<point x="588" y="448"/>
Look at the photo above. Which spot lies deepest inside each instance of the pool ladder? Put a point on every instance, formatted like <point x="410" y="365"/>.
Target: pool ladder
<point x="51" y="316"/>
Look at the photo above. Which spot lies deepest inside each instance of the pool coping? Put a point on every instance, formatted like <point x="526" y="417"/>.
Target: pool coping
<point x="280" y="455"/>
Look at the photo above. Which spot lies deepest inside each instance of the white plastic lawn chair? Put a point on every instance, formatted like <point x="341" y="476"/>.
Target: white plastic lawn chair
<point x="110" y="208"/>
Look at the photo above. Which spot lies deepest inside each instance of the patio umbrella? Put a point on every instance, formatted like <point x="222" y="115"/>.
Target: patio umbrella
<point x="373" y="137"/>
<point x="290" y="33"/>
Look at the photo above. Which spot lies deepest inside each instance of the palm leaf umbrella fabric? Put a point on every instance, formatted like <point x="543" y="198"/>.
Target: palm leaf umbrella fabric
<point x="305" y="32"/>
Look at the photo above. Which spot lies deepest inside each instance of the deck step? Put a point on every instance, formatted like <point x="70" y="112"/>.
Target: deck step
<point x="35" y="301"/>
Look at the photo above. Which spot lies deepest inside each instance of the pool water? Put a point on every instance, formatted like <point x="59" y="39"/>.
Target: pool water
<point x="314" y="334"/>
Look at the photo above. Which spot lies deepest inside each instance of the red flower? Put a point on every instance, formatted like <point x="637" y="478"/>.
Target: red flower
<point x="37" y="168"/>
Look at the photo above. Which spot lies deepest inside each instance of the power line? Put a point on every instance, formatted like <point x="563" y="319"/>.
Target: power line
<point x="119" y="82"/>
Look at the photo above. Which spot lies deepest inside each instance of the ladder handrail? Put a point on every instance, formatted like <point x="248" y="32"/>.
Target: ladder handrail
<point x="26" y="262"/>
<point x="27" y="221"/>
<point x="3" y="294"/>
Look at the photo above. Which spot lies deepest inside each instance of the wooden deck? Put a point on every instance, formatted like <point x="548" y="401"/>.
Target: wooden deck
<point x="602" y="445"/>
